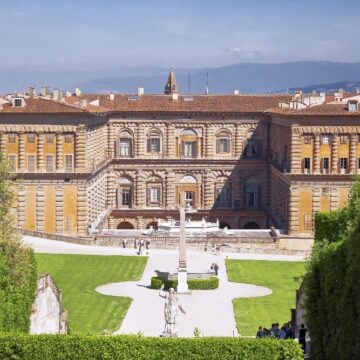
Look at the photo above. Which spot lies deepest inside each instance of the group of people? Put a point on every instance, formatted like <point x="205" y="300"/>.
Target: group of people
<point x="140" y="244"/>
<point x="215" y="268"/>
<point x="287" y="331"/>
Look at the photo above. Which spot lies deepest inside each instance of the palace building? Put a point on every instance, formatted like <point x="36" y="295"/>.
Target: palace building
<point x="86" y="161"/>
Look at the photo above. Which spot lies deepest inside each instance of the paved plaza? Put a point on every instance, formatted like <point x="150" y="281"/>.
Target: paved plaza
<point x="211" y="311"/>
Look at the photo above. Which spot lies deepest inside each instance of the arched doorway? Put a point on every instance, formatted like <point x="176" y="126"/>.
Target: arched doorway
<point x="154" y="225"/>
<point x="251" y="225"/>
<point x="224" y="225"/>
<point x="125" y="225"/>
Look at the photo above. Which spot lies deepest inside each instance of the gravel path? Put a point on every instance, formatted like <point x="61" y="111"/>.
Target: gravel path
<point x="210" y="311"/>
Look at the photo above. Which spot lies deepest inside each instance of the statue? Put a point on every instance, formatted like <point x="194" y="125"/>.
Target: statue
<point x="171" y="308"/>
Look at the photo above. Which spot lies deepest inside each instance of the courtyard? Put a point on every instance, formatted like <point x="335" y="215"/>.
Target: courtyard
<point x="106" y="290"/>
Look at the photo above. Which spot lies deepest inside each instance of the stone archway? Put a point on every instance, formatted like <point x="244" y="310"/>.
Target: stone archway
<point x="251" y="225"/>
<point x="224" y="224"/>
<point x="154" y="225"/>
<point x="125" y="225"/>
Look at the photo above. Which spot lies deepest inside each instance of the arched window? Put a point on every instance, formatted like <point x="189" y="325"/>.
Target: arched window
<point x="252" y="146"/>
<point x="124" y="145"/>
<point x="154" y="192"/>
<point x="222" y="193"/>
<point x="125" y="193"/>
<point x="188" y="145"/>
<point x="154" y="141"/>
<point x="223" y="142"/>
<point x="251" y="194"/>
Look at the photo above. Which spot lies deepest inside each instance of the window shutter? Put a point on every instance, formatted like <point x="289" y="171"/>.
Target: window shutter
<point x="217" y="145"/>
<point x="148" y="145"/>
<point x="194" y="150"/>
<point x="227" y="145"/>
<point x="182" y="148"/>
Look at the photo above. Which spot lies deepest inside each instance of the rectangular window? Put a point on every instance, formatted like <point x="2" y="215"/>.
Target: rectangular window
<point x="154" y="145"/>
<point x="223" y="145"/>
<point x="18" y="102"/>
<point x="325" y="163"/>
<point x="49" y="163"/>
<point x="343" y="139"/>
<point x="125" y="197"/>
<point x="307" y="222"/>
<point x="189" y="199"/>
<point x="307" y="163"/>
<point x="343" y="163"/>
<point x="251" y="198"/>
<point x="307" y="139"/>
<point x="125" y="147"/>
<point x="223" y="194"/>
<point x="12" y="138"/>
<point x="69" y="165"/>
<point x="31" y="163"/>
<point x="12" y="162"/>
<point x="189" y="149"/>
<point x="31" y="138"/>
<point x="325" y="191"/>
<point x="49" y="138"/>
<point x="154" y="194"/>
<point x="68" y="138"/>
<point x="325" y="139"/>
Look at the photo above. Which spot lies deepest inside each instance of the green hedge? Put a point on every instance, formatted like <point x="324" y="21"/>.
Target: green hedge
<point x="329" y="225"/>
<point x="194" y="284"/>
<point x="66" y="347"/>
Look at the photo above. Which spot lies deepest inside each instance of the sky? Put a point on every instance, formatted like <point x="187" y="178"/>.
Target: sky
<point x="89" y="34"/>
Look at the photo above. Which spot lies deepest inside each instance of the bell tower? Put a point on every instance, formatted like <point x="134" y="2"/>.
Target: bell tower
<point x="171" y="85"/>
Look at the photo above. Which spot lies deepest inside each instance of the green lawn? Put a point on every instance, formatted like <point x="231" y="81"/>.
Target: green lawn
<point x="78" y="276"/>
<point x="279" y="276"/>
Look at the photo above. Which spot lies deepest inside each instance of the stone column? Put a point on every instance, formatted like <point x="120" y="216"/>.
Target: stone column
<point x="209" y="142"/>
<point x="352" y="153"/>
<point x="238" y="140"/>
<point x="295" y="152"/>
<point x="2" y="143"/>
<point x="170" y="190"/>
<point x="59" y="209"/>
<point x="21" y="206"/>
<point x="22" y="167"/>
<point x="317" y="153"/>
<point x="182" y="270"/>
<point x="208" y="191"/>
<point x="294" y="211"/>
<point x="59" y="153"/>
<point x="40" y="205"/>
<point x="140" y="141"/>
<point x="82" y="210"/>
<point x="170" y="140"/>
<point x="334" y="154"/>
<point x="80" y="151"/>
<point x="40" y="152"/>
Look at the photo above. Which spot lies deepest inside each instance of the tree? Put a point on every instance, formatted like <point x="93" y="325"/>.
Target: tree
<point x="17" y="264"/>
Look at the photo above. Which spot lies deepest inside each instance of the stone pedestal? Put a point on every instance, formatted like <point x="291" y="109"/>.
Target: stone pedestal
<point x="182" y="281"/>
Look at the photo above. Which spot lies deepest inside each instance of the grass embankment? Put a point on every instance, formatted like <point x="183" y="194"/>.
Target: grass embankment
<point x="78" y="276"/>
<point x="279" y="276"/>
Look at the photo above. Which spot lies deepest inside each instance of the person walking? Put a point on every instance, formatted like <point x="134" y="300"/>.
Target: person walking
<point x="302" y="337"/>
<point x="216" y="269"/>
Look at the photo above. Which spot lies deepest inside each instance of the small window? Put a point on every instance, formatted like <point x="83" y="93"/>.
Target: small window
<point x="31" y="163"/>
<point x="307" y="163"/>
<point x="49" y="138"/>
<point x="69" y="163"/>
<point x="343" y="139"/>
<point x="68" y="138"/>
<point x="325" y="163"/>
<point x="325" y="191"/>
<point x="153" y="145"/>
<point x="125" y="147"/>
<point x="18" y="102"/>
<point x="126" y="197"/>
<point x="325" y="139"/>
<point x="50" y="163"/>
<point x="12" y="138"/>
<point x="189" y="149"/>
<point x="31" y="138"/>
<point x="12" y="162"/>
<point x="308" y="222"/>
<point x="343" y="163"/>
<point x="307" y="139"/>
<point x="223" y="145"/>
<point x="154" y="195"/>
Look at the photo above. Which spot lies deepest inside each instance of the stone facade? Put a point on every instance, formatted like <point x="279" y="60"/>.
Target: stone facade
<point x="135" y="159"/>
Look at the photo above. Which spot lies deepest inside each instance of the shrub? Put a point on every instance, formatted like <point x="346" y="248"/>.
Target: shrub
<point x="65" y="347"/>
<point x="193" y="284"/>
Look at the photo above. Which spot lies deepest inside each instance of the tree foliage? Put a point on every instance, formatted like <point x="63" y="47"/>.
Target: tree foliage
<point x="17" y="265"/>
<point x="332" y="283"/>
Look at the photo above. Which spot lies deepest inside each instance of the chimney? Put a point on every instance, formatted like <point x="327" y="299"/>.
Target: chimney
<point x="77" y="91"/>
<point x="56" y="95"/>
<point x="112" y="96"/>
<point x="68" y="94"/>
<point x="31" y="91"/>
<point x="236" y="92"/>
<point x="44" y="90"/>
<point x="61" y="95"/>
<point x="141" y="91"/>
<point x="175" y="96"/>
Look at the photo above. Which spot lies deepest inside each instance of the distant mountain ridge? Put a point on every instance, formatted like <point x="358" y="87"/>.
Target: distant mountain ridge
<point x="247" y="77"/>
<point x="348" y="86"/>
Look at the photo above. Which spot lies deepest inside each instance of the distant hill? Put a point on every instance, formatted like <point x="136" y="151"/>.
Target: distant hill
<point x="247" y="77"/>
<point x="348" y="86"/>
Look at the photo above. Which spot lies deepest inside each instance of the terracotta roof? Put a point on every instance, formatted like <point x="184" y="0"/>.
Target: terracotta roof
<point x="317" y="110"/>
<point x="38" y="105"/>
<point x="187" y="103"/>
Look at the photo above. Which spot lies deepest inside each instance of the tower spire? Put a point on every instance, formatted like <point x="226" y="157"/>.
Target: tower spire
<point x="171" y="85"/>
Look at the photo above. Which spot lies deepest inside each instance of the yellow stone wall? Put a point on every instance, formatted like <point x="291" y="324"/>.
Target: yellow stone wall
<point x="30" y="208"/>
<point x="70" y="209"/>
<point x="305" y="206"/>
<point x="49" y="209"/>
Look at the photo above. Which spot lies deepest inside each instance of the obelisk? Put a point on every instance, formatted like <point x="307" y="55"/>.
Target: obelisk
<point x="182" y="270"/>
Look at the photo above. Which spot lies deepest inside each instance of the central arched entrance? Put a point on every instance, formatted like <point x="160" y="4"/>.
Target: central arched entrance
<point x="125" y="225"/>
<point x="251" y="225"/>
<point x="154" y="225"/>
